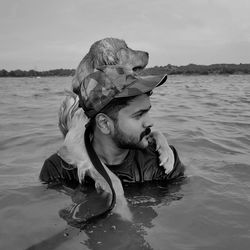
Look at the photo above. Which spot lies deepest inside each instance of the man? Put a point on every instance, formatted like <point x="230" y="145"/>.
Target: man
<point x="117" y="103"/>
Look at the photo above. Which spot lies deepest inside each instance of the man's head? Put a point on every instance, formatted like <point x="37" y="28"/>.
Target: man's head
<point x="117" y="101"/>
<point x="126" y="121"/>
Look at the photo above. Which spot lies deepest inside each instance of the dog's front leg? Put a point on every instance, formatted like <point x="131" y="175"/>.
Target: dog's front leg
<point x="101" y="184"/>
<point x="166" y="154"/>
<point x="121" y="208"/>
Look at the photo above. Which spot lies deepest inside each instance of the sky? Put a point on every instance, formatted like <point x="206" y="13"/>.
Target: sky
<point x="52" y="34"/>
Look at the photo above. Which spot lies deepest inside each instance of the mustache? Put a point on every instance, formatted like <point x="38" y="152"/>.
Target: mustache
<point x="146" y="132"/>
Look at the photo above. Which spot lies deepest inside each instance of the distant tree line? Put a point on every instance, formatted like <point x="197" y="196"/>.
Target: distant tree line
<point x="194" y="69"/>
<point x="35" y="73"/>
<point x="191" y="69"/>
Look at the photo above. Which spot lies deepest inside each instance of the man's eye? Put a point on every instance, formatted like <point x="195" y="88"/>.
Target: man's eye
<point x="138" y="116"/>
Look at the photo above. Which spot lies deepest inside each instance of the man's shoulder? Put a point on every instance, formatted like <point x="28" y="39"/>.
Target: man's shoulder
<point x="54" y="158"/>
<point x="55" y="169"/>
<point x="55" y="161"/>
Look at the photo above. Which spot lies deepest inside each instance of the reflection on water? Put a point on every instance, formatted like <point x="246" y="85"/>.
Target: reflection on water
<point x="207" y="118"/>
<point x="112" y="232"/>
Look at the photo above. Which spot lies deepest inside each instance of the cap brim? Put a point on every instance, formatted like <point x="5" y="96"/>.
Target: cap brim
<point x="142" y="85"/>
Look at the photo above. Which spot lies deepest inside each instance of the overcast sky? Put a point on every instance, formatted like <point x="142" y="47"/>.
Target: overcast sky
<point x="49" y="34"/>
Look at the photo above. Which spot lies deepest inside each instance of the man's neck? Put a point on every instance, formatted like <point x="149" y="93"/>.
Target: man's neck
<point x="107" y="151"/>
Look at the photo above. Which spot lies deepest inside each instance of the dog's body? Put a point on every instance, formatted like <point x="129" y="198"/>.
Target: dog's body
<point x="72" y="119"/>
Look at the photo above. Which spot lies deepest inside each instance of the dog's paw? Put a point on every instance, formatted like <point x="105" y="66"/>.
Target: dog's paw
<point x="81" y="172"/>
<point x="166" y="154"/>
<point x="102" y="186"/>
<point x="166" y="159"/>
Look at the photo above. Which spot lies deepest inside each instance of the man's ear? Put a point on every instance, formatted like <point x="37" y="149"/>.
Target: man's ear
<point x="104" y="123"/>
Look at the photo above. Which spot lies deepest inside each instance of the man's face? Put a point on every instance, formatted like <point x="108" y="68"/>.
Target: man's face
<point x="131" y="124"/>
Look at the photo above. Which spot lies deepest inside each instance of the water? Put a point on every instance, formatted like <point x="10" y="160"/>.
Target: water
<point x="207" y="118"/>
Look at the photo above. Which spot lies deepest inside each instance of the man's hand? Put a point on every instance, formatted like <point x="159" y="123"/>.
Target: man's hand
<point x="166" y="154"/>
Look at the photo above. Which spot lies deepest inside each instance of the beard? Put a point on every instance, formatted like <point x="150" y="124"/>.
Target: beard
<point x="125" y="141"/>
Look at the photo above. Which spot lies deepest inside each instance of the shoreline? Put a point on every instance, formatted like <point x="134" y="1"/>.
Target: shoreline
<point x="190" y="69"/>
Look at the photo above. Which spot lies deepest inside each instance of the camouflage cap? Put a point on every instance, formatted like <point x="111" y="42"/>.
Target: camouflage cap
<point x="113" y="81"/>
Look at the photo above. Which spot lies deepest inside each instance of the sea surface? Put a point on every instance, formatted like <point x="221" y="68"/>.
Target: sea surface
<point x="207" y="119"/>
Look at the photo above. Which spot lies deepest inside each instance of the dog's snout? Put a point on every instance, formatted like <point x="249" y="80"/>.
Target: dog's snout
<point x="144" y="58"/>
<point x="145" y="55"/>
<point x="142" y="53"/>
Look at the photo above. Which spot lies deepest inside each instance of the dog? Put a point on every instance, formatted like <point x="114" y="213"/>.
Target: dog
<point x="109" y="51"/>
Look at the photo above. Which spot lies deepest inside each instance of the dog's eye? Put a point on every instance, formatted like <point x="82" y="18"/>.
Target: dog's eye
<point x="137" y="68"/>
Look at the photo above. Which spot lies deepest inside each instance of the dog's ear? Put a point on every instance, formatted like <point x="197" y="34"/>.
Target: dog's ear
<point x="85" y="67"/>
<point x="66" y="112"/>
<point x="105" y="52"/>
<point x="106" y="57"/>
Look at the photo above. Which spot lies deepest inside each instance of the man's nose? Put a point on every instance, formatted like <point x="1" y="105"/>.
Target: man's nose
<point x="148" y="121"/>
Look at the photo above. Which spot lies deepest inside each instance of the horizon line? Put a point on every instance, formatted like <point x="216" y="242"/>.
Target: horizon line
<point x="144" y="68"/>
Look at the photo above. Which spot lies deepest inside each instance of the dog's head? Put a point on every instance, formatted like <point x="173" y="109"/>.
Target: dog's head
<point x="109" y="51"/>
